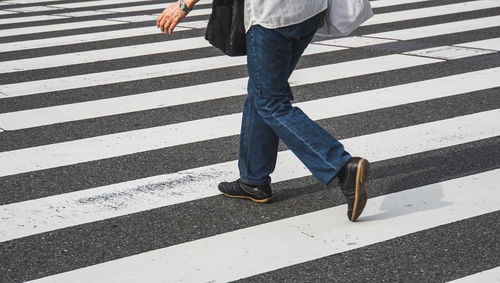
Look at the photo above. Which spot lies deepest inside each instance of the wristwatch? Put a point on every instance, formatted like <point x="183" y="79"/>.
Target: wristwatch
<point x="184" y="7"/>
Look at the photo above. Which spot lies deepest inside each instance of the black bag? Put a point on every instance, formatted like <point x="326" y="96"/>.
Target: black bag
<point x="225" y="29"/>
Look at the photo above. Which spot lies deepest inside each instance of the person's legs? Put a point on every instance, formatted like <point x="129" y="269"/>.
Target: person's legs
<point x="268" y="113"/>
<point x="269" y="116"/>
<point x="256" y="160"/>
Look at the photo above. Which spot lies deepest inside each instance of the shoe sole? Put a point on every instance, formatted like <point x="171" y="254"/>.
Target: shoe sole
<point x="361" y="196"/>
<point x="245" y="197"/>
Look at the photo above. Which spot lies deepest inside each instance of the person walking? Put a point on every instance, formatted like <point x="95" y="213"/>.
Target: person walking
<point x="277" y="33"/>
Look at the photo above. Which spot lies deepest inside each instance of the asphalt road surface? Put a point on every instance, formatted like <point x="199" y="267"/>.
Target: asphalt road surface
<point x="114" y="136"/>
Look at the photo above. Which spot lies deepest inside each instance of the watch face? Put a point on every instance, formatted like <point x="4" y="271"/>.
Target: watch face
<point x="183" y="6"/>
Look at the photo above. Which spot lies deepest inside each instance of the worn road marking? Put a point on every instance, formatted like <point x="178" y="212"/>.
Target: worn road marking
<point x="228" y="256"/>
<point x="60" y="211"/>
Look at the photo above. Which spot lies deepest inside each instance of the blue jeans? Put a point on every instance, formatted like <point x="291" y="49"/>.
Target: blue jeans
<point x="268" y="114"/>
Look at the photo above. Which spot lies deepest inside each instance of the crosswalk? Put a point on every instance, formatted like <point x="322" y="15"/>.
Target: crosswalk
<point x="113" y="138"/>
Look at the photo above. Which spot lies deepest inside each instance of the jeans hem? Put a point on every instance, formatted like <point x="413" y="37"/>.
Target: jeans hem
<point x="344" y="161"/>
<point x="253" y="182"/>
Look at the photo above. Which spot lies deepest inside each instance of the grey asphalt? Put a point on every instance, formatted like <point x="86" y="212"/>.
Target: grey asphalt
<point x="101" y="241"/>
<point x="436" y="255"/>
<point x="119" y="169"/>
<point x="444" y="253"/>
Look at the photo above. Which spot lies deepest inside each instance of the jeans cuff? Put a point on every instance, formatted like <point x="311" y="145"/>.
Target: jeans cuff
<point x="254" y="182"/>
<point x="343" y="162"/>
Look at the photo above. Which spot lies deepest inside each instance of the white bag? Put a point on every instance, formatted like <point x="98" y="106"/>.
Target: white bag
<point x="344" y="16"/>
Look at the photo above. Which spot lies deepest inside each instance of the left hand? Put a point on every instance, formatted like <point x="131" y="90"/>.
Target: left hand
<point x="170" y="17"/>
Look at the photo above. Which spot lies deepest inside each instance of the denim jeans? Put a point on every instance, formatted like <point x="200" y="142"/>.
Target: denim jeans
<point x="268" y="114"/>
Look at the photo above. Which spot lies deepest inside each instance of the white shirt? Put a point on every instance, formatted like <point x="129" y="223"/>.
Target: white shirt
<point x="280" y="13"/>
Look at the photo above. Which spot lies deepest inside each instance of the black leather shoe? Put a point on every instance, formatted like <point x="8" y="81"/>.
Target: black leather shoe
<point x="352" y="180"/>
<point x="238" y="189"/>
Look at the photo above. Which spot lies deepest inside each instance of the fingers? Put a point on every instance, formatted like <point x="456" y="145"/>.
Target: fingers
<point x="162" y="18"/>
<point x="164" y="24"/>
<point x="169" y="18"/>
<point x="167" y="27"/>
<point x="172" y="26"/>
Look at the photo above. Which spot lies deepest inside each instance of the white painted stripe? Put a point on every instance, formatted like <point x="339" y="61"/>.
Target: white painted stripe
<point x="137" y="73"/>
<point x="194" y="24"/>
<point x="30" y="9"/>
<point x="65" y="40"/>
<point x="449" y="52"/>
<point x="435" y="88"/>
<point x="102" y="54"/>
<point x="83" y="13"/>
<point x="91" y="4"/>
<point x="228" y="256"/>
<point x="60" y="211"/>
<point x="440" y="29"/>
<point x="53" y="17"/>
<point x="4" y="12"/>
<point x="159" y="8"/>
<point x="489" y="44"/>
<point x="29" y="19"/>
<point x="135" y="18"/>
<point x="355" y="41"/>
<point x="57" y="27"/>
<point x="434" y="11"/>
<point x="80" y="38"/>
<point x="487" y="276"/>
<point x="13" y="2"/>
<point x="144" y="18"/>
<point x="386" y="3"/>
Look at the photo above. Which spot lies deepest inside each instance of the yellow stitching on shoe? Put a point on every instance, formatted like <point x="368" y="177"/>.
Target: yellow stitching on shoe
<point x="359" y="173"/>
<point x="245" y="197"/>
